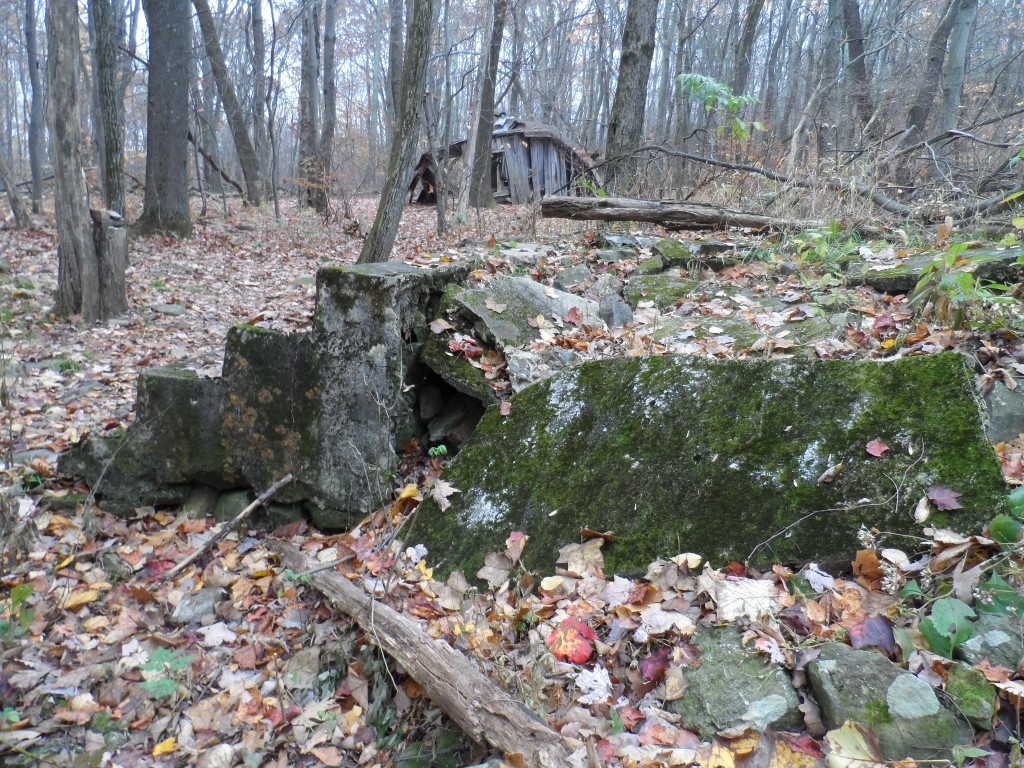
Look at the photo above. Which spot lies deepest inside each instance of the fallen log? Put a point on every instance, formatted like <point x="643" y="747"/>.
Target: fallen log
<point x="481" y="708"/>
<point x="676" y="216"/>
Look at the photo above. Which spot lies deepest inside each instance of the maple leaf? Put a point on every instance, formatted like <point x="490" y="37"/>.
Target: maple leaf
<point x="876" y="631"/>
<point x="571" y="641"/>
<point x="440" y="491"/>
<point x="653" y="668"/>
<point x="876" y="447"/>
<point x="572" y="316"/>
<point x="944" y="498"/>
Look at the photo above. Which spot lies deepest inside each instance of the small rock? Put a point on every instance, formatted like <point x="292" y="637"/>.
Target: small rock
<point x="973" y="695"/>
<point x="5" y="265"/>
<point x="430" y="401"/>
<point x="993" y="637"/>
<point x="201" y="503"/>
<point x="1005" y="413"/>
<point x="569" y="278"/>
<point x="614" y="311"/>
<point x="230" y="504"/>
<point x="175" y="310"/>
<point x="219" y="756"/>
<point x="606" y="285"/>
<point x="195" y="605"/>
<point x="612" y="255"/>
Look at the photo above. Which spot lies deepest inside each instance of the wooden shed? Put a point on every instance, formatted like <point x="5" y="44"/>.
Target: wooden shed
<point x="528" y="161"/>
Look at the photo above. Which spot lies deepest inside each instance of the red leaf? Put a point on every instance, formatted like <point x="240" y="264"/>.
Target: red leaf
<point x="874" y="630"/>
<point x="653" y="668"/>
<point x="571" y="641"/>
<point x="944" y="498"/>
<point x="876" y="447"/>
<point x="572" y="316"/>
<point x="505" y="408"/>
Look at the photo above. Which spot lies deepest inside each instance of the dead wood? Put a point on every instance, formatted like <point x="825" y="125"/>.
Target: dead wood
<point x="675" y="215"/>
<point x="481" y="708"/>
<point x="223" y="529"/>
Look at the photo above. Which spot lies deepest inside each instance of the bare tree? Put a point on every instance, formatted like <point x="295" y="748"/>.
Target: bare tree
<point x="625" y="129"/>
<point x="481" y="193"/>
<point x="254" y="185"/>
<point x="108" y="120"/>
<point x="326" y="148"/>
<point x="35" y="125"/>
<point x="379" y="242"/>
<point x="90" y="282"/>
<point x="22" y="218"/>
<point x="309" y="173"/>
<point x="165" y="205"/>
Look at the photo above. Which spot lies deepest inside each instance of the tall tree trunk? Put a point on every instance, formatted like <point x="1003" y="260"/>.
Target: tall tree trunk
<point x="381" y="239"/>
<point x="165" y="205"/>
<point x="625" y="128"/>
<point x="232" y="108"/>
<point x="481" y="195"/>
<point x="396" y="28"/>
<point x="927" y="83"/>
<point x="206" y="115"/>
<point x="259" y="100"/>
<point x="863" y="108"/>
<point x="326" y="150"/>
<point x="22" y="218"/>
<point x="745" y="45"/>
<point x="89" y="283"/>
<point x="956" y="65"/>
<point x="109" y="118"/>
<point x="309" y="107"/>
<point x="35" y="115"/>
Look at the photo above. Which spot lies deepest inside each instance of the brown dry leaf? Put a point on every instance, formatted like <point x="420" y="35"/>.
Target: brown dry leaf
<point x="583" y="559"/>
<point x="440" y="490"/>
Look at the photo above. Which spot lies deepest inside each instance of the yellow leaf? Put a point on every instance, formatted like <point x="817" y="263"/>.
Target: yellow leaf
<point x="853" y="746"/>
<point x="427" y="573"/>
<point x="888" y="343"/>
<point x="409" y="492"/>
<point x="165" y="747"/>
<point x="65" y="562"/>
<point x="80" y="598"/>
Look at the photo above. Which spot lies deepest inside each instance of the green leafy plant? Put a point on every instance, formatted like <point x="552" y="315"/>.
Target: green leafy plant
<point x="171" y="664"/>
<point x="949" y="292"/>
<point x="438" y="450"/>
<point x="947" y="625"/>
<point x="19" y="615"/>
<point x="718" y="98"/>
<point x="302" y="578"/>
<point x="9" y="715"/>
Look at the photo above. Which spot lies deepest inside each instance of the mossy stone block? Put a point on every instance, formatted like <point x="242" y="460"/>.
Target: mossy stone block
<point x="718" y="457"/>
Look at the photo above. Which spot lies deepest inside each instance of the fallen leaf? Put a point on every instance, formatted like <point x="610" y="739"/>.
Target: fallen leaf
<point x="440" y="325"/>
<point x="440" y="490"/>
<point x="944" y="498"/>
<point x="570" y="641"/>
<point x="874" y="631"/>
<point x="494" y="306"/>
<point x="505" y="408"/>
<point x="876" y="447"/>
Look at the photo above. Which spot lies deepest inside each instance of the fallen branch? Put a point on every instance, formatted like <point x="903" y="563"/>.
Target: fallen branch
<point x="482" y="709"/>
<point x="672" y="215"/>
<point x="213" y="164"/>
<point x="223" y="529"/>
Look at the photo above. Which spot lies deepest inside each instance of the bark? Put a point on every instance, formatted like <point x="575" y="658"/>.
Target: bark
<point x="309" y="107"/>
<point x="481" y="194"/>
<point x="22" y="218"/>
<point x="625" y="127"/>
<point x="80" y="289"/>
<point x="863" y="108"/>
<point x="326" y="151"/>
<point x="481" y="708"/>
<point x="35" y="117"/>
<point x="232" y="108"/>
<point x="259" y="106"/>
<point x="206" y="117"/>
<point x="396" y="26"/>
<point x="165" y="205"/>
<point x="745" y="45"/>
<point x="378" y="244"/>
<point x="956" y="65"/>
<point x="673" y="216"/>
<point x="109" y="122"/>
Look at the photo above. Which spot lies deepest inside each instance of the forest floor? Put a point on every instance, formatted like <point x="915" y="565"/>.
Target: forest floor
<point x="95" y="671"/>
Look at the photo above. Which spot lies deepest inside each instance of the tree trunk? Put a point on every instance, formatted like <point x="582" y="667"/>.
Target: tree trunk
<point x="165" y="205"/>
<point x="481" y="194"/>
<point x="35" y="116"/>
<point x="863" y="108"/>
<point x="927" y="83"/>
<point x="206" y="116"/>
<point x="259" y="105"/>
<point x="81" y="290"/>
<point x="309" y="107"/>
<point x="232" y="109"/>
<point x="326" y="150"/>
<point x="396" y="27"/>
<point x="625" y="128"/>
<point x="22" y="218"/>
<point x="378" y="244"/>
<point x="745" y="45"/>
<point x="109" y="120"/>
<point x="956" y="65"/>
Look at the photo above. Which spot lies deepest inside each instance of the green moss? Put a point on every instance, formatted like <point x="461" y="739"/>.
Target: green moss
<point x="664" y="290"/>
<point x="717" y="457"/>
<point x="876" y="713"/>
<point x="973" y="695"/>
<point x="456" y="371"/>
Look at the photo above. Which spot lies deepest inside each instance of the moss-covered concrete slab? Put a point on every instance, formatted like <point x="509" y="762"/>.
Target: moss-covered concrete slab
<point x="456" y="371"/>
<point x="722" y="458"/>
<point x="670" y="253"/>
<point x="663" y="289"/>
<point x="1003" y="265"/>
<point x="504" y="306"/>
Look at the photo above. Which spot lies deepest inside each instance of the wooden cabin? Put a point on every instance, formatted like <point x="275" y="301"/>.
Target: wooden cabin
<point x="528" y="160"/>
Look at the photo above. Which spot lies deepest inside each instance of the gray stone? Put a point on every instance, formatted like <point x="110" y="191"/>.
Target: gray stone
<point x="201" y="502"/>
<point x="1000" y="639"/>
<point x="674" y="253"/>
<point x="1005" y="413"/>
<point x="734" y="685"/>
<point x="26" y="457"/>
<point x="612" y="255"/>
<point x="524" y="254"/>
<point x="614" y="311"/>
<point x="430" y="401"/>
<point x="277" y="515"/>
<point x="973" y="696"/>
<point x="175" y="442"/>
<point x="662" y="449"/>
<point x="5" y="265"/>
<point x="456" y="371"/>
<point x="569" y="278"/>
<point x="901" y="709"/>
<point x="523" y="299"/>
<point x="527" y="367"/>
<point x="229" y="505"/>
<point x="605" y="285"/>
<point x="174" y="310"/>
<point x="194" y="605"/>
<point x="664" y="289"/>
